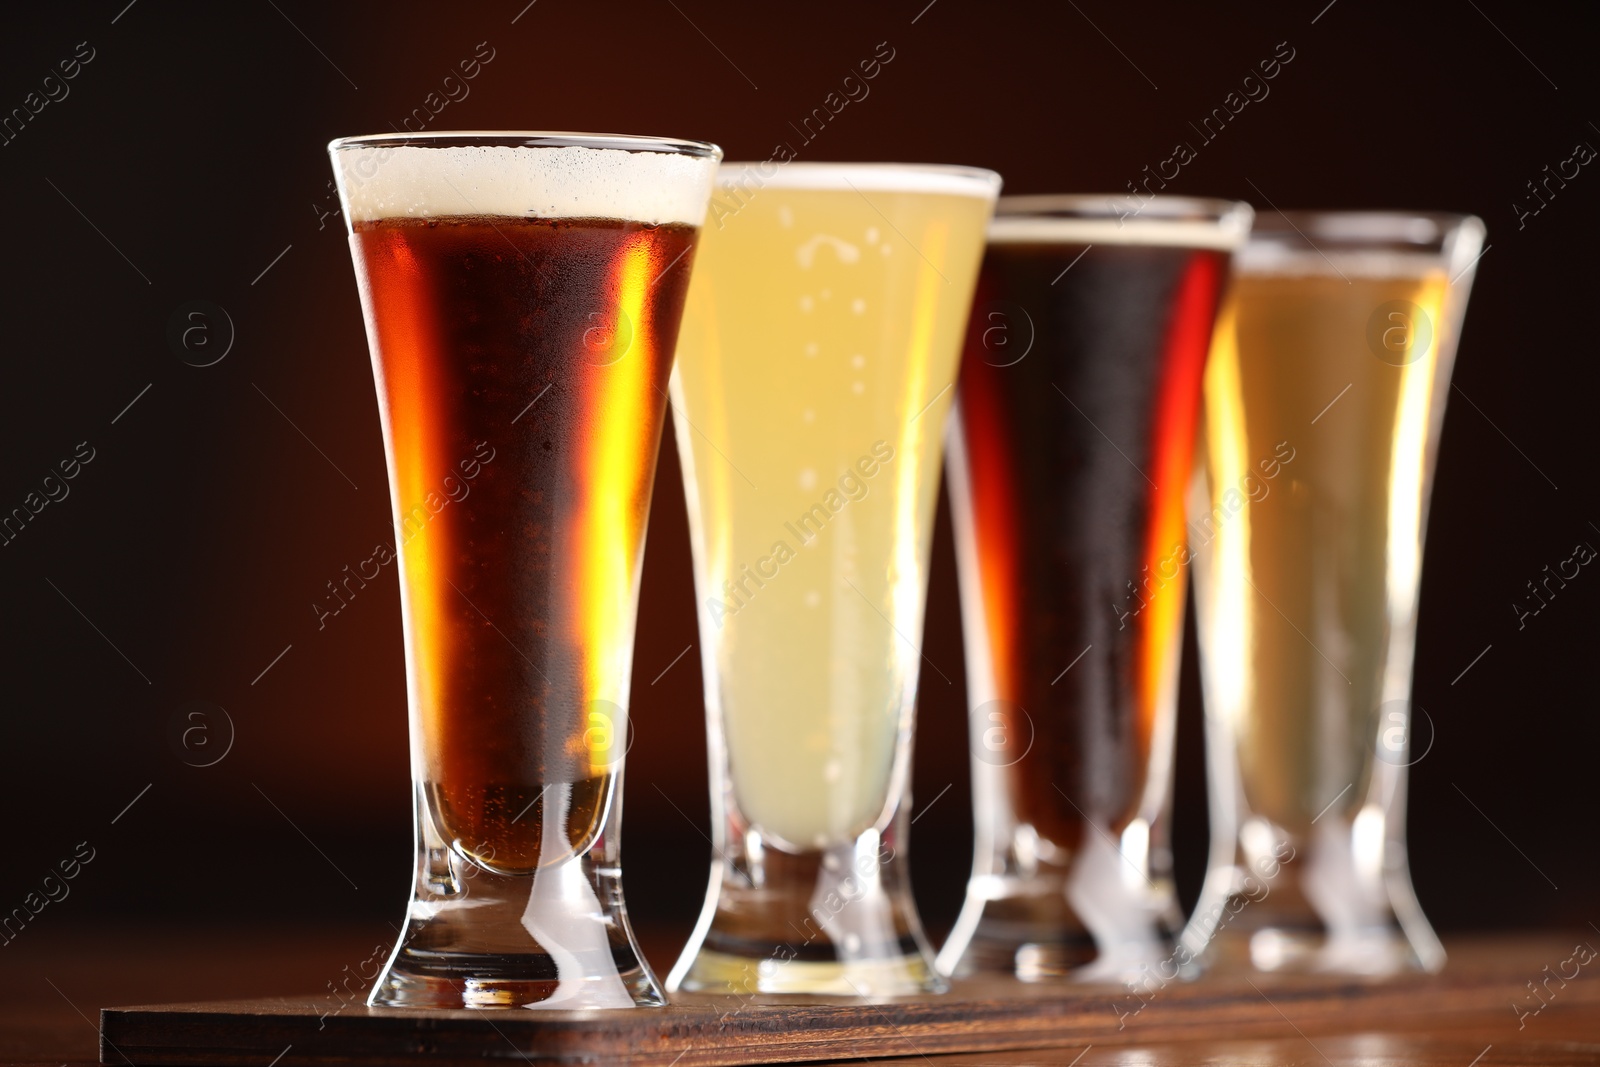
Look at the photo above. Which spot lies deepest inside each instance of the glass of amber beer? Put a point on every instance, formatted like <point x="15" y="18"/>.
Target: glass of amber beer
<point x="1329" y="371"/>
<point x="522" y="295"/>
<point x="814" y="372"/>
<point x="1070" y="457"/>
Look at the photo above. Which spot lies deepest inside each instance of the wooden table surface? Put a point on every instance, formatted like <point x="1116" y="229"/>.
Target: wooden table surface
<point x="53" y="983"/>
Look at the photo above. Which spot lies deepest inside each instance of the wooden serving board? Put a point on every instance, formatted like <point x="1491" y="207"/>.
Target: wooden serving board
<point x="708" y="1031"/>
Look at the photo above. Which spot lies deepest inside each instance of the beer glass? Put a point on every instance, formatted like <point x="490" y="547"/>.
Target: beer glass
<point x="1069" y="462"/>
<point x="522" y="295"/>
<point x="1324" y="398"/>
<point x="814" y="372"/>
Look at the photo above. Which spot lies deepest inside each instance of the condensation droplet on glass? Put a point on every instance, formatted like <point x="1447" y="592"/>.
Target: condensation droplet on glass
<point x="806" y="303"/>
<point x="858" y="361"/>
<point x="885" y="248"/>
<point x="859" y="306"/>
<point x="827" y="294"/>
<point x="872" y="235"/>
<point x="832" y="770"/>
<point x="808" y="478"/>
<point x="808" y="416"/>
<point x="858" y="387"/>
<point x="813" y="598"/>
<point x="811" y="350"/>
<point x="785" y="216"/>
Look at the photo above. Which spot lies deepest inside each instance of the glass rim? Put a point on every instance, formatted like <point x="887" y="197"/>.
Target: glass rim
<point x="1091" y="218"/>
<point x="529" y="139"/>
<point x="1104" y="205"/>
<point x="1361" y="226"/>
<point x="1280" y="238"/>
<point x="920" y="175"/>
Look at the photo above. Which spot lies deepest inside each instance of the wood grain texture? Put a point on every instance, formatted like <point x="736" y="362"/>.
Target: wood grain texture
<point x="1480" y="986"/>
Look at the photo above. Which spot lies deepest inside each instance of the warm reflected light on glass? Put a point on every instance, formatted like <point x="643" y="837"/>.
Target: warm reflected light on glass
<point x="1230" y="621"/>
<point x="1412" y="420"/>
<point x="1367" y="843"/>
<point x="907" y="584"/>
<point x="607" y="531"/>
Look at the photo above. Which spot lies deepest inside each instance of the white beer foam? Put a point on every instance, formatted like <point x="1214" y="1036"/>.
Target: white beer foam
<point x="385" y="181"/>
<point x="862" y="177"/>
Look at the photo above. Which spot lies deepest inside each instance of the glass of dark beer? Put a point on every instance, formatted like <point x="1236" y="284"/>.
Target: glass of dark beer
<point x="1069" y="463"/>
<point x="522" y="295"/>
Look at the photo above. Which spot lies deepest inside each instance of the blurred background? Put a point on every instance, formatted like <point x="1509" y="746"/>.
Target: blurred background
<point x="181" y="171"/>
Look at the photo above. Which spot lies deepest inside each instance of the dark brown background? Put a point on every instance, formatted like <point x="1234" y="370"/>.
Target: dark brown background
<point x="190" y="153"/>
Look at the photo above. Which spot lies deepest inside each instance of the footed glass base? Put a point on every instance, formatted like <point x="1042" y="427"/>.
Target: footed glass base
<point x="717" y="972"/>
<point x="1378" y="951"/>
<point x="1104" y="917"/>
<point x="1033" y="939"/>
<point x="1335" y="901"/>
<point x="833" y="921"/>
<point x="468" y="981"/>
<point x="1041" y="940"/>
<point x="554" y="938"/>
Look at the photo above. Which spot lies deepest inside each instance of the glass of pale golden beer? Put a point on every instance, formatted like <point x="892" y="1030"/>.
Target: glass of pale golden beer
<point x="522" y="295"/>
<point x="1323" y="399"/>
<point x="815" y="368"/>
<point x="1070" y="456"/>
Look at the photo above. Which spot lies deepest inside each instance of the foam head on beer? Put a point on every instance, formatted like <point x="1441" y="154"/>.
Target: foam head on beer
<point x="381" y="181"/>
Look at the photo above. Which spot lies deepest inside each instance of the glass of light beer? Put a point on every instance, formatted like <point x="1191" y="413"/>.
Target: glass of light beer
<point x="815" y="368"/>
<point x="1324" y="399"/>
<point x="522" y="295"/>
<point x="1070" y="456"/>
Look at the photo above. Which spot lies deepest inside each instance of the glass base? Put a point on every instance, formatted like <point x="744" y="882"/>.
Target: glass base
<point x="471" y="981"/>
<point x="1305" y="905"/>
<point x="557" y="938"/>
<point x="718" y="972"/>
<point x="1286" y="950"/>
<point x="1103" y="918"/>
<point x="1041" y="939"/>
<point x="837" y="921"/>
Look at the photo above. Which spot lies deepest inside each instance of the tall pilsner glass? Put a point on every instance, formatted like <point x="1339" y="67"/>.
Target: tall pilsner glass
<point x="1069" y="462"/>
<point x="816" y="365"/>
<point x="1324" y="398"/>
<point x="522" y="295"/>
